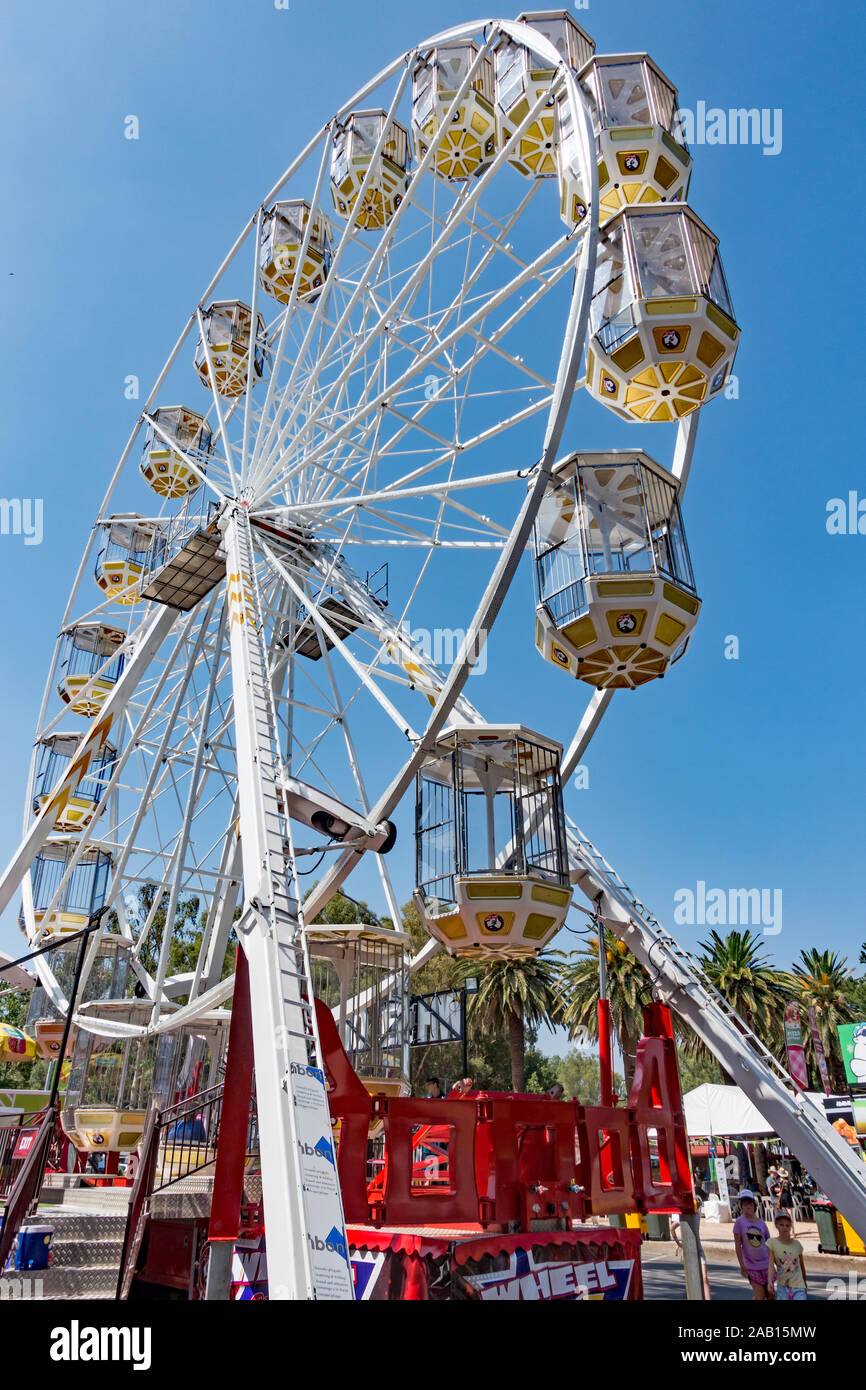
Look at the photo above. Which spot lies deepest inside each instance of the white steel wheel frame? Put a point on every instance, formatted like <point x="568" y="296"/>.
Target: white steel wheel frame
<point x="388" y="319"/>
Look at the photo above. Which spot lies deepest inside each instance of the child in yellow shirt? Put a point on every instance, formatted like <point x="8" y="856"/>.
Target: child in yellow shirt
<point x="786" y="1270"/>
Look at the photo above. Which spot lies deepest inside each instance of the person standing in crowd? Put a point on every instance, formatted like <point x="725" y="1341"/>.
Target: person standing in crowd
<point x="750" y="1241"/>
<point x="786" y="1270"/>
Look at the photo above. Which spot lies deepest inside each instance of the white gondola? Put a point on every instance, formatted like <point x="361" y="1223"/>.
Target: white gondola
<point x="362" y="973"/>
<point x="107" y="979"/>
<point x="227" y="325"/>
<point x="283" y="230"/>
<point x="82" y="896"/>
<point x="76" y="806"/>
<point x="177" y="446"/>
<point x="470" y="139"/>
<point x="130" y="545"/>
<point x="355" y="142"/>
<point x="662" y="331"/>
<point x="616" y="595"/>
<point x="491" y="865"/>
<point x="90" y="666"/>
<point x="522" y="79"/>
<point x="113" y="1080"/>
<point x="642" y="156"/>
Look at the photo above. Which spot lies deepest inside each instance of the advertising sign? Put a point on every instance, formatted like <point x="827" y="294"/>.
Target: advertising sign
<point x="840" y="1113"/>
<point x="852" y="1041"/>
<point x="823" y="1069"/>
<point x="540" y="1275"/>
<point x="794" y="1044"/>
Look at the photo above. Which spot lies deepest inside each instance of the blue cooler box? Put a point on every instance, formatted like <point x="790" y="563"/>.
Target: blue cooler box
<point x="34" y="1247"/>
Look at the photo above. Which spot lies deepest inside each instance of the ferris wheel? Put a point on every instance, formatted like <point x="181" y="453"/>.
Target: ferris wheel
<point x="354" y="441"/>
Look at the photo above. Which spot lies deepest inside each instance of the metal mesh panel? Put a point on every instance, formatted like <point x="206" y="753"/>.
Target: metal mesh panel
<point x="435" y="840"/>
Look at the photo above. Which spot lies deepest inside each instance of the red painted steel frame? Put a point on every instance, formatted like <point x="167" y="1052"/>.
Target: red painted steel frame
<point x="516" y="1158"/>
<point x="228" y="1183"/>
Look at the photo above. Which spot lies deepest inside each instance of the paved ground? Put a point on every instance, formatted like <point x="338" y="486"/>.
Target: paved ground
<point x="719" y="1233"/>
<point x="663" y="1279"/>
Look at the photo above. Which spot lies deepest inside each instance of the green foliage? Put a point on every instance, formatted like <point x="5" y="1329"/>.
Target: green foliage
<point x="541" y="1071"/>
<point x="697" y="1068"/>
<point x="822" y="981"/>
<point x="514" y="995"/>
<point x="13" y="1006"/>
<point x="738" y="968"/>
<point x="488" y="1062"/>
<point x="526" y="987"/>
<point x="186" y="937"/>
<point x="855" y="993"/>
<point x="342" y="910"/>
<point x="25" y="1076"/>
<point x="628" y="990"/>
<point x="579" y="1074"/>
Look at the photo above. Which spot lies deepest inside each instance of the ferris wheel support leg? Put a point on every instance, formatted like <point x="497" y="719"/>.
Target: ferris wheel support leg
<point x="694" y="1260"/>
<point x="228" y="1183"/>
<point x="307" y="1247"/>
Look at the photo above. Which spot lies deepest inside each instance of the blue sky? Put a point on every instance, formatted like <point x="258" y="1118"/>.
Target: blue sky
<point x="738" y="773"/>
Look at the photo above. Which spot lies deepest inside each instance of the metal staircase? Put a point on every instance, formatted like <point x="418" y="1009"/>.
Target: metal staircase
<point x="85" y="1251"/>
<point x="307" y="1248"/>
<point x="679" y="980"/>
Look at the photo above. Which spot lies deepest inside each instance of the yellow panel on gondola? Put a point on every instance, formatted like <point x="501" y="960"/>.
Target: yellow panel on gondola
<point x="642" y="157"/>
<point x="76" y="806"/>
<point x="355" y="142"/>
<point x="60" y="913"/>
<point x="176" y="451"/>
<point x="283" y="232"/>
<point x="49" y="1038"/>
<point x="112" y="1080"/>
<point x="484" y="889"/>
<point x="522" y="79"/>
<point x="616" y="595"/>
<point x="130" y="546"/>
<point x="227" y="328"/>
<point x="90" y="666"/>
<point x="469" y="139"/>
<point x="662" y="331"/>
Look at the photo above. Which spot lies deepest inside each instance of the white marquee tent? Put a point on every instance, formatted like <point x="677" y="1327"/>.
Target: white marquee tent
<point x="725" y="1111"/>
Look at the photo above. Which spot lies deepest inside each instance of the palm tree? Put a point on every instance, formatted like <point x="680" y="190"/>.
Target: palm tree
<point x="737" y="967"/>
<point x="821" y="980"/>
<point x="628" y="989"/>
<point x="512" y="994"/>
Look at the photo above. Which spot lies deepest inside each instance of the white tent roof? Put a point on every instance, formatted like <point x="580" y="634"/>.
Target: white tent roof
<point x="726" y="1111"/>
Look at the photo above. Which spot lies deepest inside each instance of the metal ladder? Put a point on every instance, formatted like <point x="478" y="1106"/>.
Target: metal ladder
<point x="679" y="980"/>
<point x="306" y="1233"/>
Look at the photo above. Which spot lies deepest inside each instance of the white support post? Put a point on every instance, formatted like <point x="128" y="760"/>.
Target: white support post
<point x="307" y="1248"/>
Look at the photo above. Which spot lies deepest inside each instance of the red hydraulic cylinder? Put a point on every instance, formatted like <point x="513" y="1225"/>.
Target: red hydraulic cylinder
<point x="605" y="1052"/>
<point x="228" y="1183"/>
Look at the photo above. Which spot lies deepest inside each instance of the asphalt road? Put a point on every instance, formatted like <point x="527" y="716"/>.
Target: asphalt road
<point x="663" y="1279"/>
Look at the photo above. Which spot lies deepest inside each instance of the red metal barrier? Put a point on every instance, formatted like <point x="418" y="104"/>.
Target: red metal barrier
<point x="515" y="1158"/>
